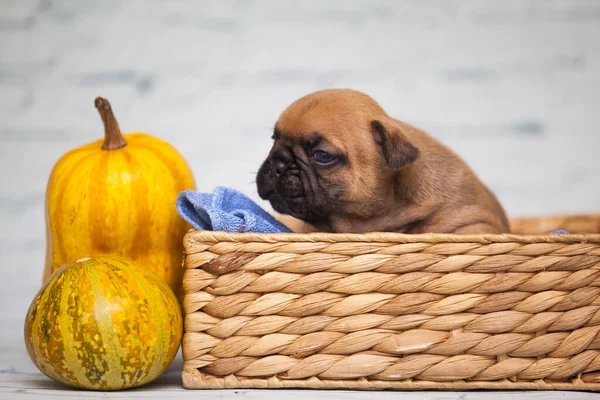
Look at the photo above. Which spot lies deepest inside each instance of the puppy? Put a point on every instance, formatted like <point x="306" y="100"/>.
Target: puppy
<point x="340" y="163"/>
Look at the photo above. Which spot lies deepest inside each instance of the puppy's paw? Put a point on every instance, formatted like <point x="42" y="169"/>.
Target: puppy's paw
<point x="477" y="229"/>
<point x="296" y="225"/>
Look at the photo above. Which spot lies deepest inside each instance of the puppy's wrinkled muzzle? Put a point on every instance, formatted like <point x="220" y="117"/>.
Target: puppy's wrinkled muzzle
<point x="280" y="183"/>
<point x="289" y="185"/>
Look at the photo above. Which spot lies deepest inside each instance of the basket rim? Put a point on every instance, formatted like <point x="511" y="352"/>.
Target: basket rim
<point x="385" y="237"/>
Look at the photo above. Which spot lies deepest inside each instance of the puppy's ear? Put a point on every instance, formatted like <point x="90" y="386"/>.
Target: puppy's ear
<point x="397" y="150"/>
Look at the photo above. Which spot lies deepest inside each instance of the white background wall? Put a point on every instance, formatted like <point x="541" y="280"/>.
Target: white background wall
<point x="513" y="86"/>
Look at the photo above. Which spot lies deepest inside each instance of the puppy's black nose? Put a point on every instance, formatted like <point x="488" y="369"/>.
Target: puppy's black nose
<point x="279" y="166"/>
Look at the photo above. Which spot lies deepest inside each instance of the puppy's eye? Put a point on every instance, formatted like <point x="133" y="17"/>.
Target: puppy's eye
<point x="323" y="157"/>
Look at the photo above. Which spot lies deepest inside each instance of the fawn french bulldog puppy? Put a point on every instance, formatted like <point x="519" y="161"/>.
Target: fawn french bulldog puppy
<point x="340" y="163"/>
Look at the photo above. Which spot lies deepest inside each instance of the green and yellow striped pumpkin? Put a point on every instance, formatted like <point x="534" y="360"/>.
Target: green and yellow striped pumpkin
<point x="117" y="196"/>
<point x="103" y="323"/>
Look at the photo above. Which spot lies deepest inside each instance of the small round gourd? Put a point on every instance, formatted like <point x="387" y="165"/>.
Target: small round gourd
<point x="103" y="323"/>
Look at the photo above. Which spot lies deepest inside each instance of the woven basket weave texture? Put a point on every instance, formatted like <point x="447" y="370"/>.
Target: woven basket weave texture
<point x="395" y="311"/>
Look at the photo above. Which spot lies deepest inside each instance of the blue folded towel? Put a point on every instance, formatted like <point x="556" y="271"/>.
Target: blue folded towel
<point x="559" y="232"/>
<point x="226" y="210"/>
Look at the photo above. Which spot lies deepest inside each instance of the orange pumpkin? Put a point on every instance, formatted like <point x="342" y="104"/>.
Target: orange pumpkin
<point x="103" y="323"/>
<point x="117" y="196"/>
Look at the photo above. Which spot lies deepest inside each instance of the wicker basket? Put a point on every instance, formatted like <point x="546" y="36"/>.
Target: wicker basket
<point x="395" y="311"/>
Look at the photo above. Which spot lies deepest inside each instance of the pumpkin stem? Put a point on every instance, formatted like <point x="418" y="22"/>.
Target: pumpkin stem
<point x="113" y="139"/>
